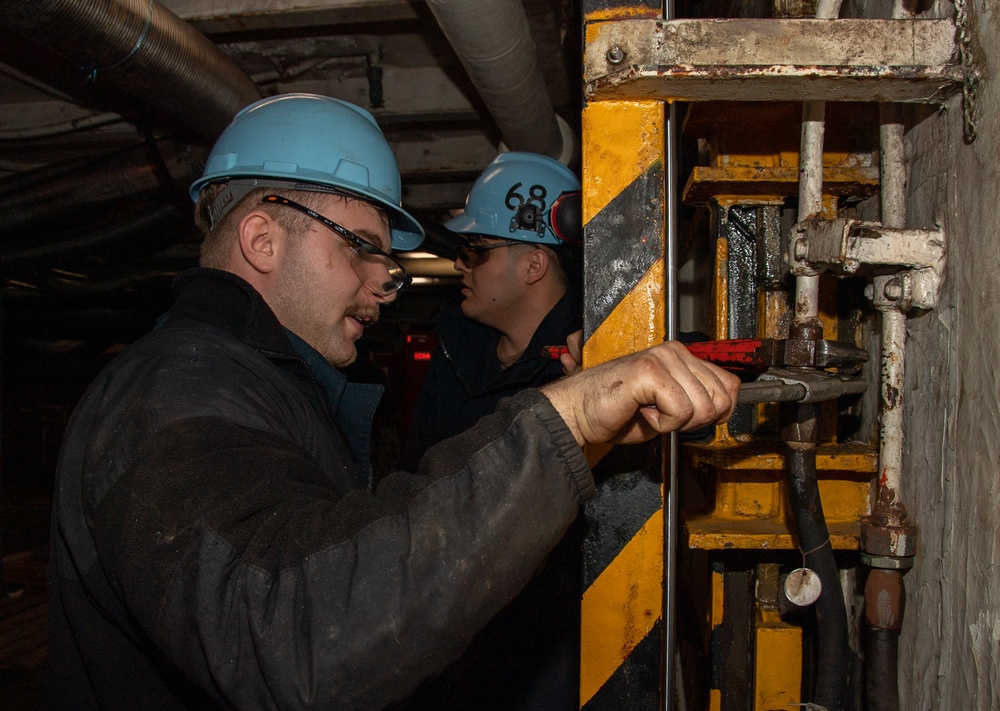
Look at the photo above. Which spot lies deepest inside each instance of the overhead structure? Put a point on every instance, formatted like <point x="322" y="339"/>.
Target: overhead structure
<point x="146" y="50"/>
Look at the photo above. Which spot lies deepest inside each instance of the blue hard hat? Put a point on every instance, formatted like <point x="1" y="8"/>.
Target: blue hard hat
<point x="523" y="196"/>
<point x="311" y="142"/>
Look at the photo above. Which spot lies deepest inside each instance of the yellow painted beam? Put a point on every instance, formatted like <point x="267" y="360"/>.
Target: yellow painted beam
<point x="621" y="141"/>
<point x="638" y="322"/>
<point x="621" y="607"/>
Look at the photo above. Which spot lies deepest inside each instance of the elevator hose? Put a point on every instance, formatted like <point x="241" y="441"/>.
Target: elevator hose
<point x="814" y="540"/>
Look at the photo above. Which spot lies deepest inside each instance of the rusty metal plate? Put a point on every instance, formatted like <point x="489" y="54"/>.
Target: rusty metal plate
<point x="788" y="59"/>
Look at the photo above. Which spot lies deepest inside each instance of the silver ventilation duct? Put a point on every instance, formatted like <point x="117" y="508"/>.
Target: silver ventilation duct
<point x="493" y="40"/>
<point x="145" y="50"/>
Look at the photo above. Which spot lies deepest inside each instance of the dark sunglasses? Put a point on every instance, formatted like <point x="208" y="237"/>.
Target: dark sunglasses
<point x="472" y="255"/>
<point x="369" y="254"/>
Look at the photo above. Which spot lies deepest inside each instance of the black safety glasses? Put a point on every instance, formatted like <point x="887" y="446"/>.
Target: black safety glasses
<point x="472" y="255"/>
<point x="371" y="263"/>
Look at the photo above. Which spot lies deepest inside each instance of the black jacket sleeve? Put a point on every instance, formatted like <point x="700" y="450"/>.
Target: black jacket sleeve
<point x="270" y="591"/>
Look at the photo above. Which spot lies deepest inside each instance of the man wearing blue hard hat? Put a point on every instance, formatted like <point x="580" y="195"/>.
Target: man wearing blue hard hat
<point x="217" y="540"/>
<point x="519" y="258"/>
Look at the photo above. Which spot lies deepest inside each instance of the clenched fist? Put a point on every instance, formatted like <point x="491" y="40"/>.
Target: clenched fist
<point x="635" y="397"/>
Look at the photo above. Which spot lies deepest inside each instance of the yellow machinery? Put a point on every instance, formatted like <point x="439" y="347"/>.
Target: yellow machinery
<point x="688" y="544"/>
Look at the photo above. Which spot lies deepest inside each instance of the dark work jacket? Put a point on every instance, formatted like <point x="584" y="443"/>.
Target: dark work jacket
<point x="215" y="545"/>
<point x="528" y="656"/>
<point x="465" y="382"/>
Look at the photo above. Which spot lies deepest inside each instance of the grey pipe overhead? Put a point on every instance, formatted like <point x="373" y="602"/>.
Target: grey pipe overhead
<point x="145" y="50"/>
<point x="493" y="40"/>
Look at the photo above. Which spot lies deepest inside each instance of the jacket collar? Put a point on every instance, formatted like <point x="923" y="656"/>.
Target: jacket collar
<point x="226" y="301"/>
<point x="470" y="346"/>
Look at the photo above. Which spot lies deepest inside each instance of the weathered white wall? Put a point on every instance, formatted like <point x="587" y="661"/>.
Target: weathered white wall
<point x="950" y="648"/>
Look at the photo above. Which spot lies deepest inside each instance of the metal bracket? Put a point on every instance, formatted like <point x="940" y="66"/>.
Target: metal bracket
<point x="846" y="246"/>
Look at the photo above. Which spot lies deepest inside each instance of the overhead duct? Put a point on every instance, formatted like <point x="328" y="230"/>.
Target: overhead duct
<point x="144" y="170"/>
<point x="145" y="50"/>
<point x="493" y="40"/>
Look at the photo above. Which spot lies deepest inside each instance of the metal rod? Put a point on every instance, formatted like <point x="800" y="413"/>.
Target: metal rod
<point x="893" y="199"/>
<point x="670" y="678"/>
<point x="671" y="519"/>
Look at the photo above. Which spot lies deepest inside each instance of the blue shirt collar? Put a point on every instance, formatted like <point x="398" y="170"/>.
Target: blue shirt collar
<point x="353" y="404"/>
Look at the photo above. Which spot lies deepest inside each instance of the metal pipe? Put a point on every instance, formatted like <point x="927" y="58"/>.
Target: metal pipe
<point x="893" y="199"/>
<point x="143" y="49"/>
<point x="811" y="187"/>
<point x="670" y="677"/>
<point x="493" y="40"/>
<point x="884" y="604"/>
<point x="673" y="502"/>
<point x="884" y="592"/>
<point x="892" y="178"/>
<point x="810" y="207"/>
<point x="893" y="377"/>
<point x="800" y="431"/>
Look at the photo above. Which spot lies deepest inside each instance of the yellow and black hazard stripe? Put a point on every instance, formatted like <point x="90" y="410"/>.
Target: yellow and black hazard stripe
<point x="624" y="311"/>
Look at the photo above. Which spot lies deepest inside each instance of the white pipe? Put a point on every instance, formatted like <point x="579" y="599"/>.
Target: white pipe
<point x="893" y="199"/>
<point x="810" y="202"/>
<point x="493" y="40"/>
<point x="811" y="183"/>
<point x="893" y="371"/>
<point x="893" y="172"/>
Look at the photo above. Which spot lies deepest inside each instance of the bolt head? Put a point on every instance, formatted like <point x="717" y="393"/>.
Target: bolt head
<point x="801" y="250"/>
<point x="893" y="290"/>
<point x="615" y="55"/>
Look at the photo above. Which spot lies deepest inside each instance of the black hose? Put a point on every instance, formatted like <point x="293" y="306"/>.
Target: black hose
<point x="882" y="662"/>
<point x="814" y="540"/>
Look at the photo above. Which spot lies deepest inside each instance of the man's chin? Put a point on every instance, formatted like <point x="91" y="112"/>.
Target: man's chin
<point x="341" y="357"/>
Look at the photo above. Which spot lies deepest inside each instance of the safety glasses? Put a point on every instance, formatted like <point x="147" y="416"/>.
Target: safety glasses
<point x="380" y="271"/>
<point x="472" y="255"/>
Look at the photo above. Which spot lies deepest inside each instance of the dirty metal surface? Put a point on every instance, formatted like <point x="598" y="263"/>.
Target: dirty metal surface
<point x="787" y="59"/>
<point x="747" y="508"/>
<point x="624" y="204"/>
<point x="773" y="183"/>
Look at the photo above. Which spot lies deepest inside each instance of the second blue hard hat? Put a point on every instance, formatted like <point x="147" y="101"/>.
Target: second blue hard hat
<point x="523" y="196"/>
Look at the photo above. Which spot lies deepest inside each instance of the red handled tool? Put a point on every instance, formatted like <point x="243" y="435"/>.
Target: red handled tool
<point x="772" y="357"/>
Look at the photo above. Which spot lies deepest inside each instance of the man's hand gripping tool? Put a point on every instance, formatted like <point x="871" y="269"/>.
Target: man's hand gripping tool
<point x="784" y="366"/>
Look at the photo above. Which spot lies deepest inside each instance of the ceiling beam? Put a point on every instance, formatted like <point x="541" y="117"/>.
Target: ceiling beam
<point x="224" y="16"/>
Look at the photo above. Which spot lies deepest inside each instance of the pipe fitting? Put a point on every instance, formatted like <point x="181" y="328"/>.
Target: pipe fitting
<point x="881" y="541"/>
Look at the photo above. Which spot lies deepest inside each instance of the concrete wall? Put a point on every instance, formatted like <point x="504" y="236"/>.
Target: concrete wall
<point x="950" y="647"/>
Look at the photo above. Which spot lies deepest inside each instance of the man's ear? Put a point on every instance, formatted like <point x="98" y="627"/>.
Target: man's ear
<point x="260" y="241"/>
<point x="537" y="265"/>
